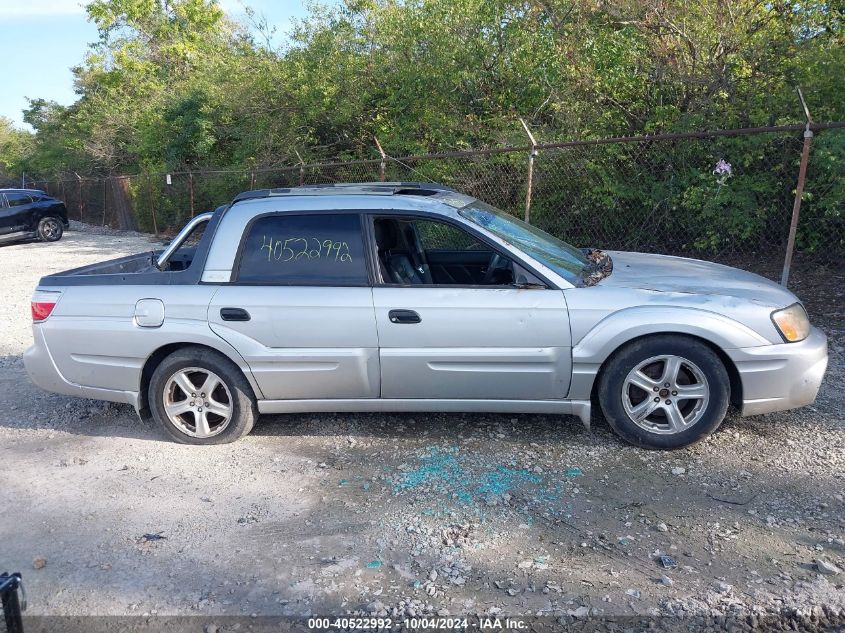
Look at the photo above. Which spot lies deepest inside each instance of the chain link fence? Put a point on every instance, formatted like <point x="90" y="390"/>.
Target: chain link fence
<point x="725" y="195"/>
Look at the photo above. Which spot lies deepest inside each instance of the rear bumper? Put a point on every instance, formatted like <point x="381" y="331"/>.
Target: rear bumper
<point x="781" y="377"/>
<point x="44" y="373"/>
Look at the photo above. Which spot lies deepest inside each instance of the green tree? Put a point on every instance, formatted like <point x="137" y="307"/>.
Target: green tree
<point x="15" y="145"/>
<point x="175" y="85"/>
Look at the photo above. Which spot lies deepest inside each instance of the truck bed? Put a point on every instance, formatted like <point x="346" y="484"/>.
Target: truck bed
<point x="183" y="267"/>
<point x="136" y="269"/>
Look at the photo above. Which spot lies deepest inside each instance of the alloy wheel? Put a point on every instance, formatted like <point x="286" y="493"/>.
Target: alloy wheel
<point x="665" y="394"/>
<point x="198" y="402"/>
<point x="50" y="229"/>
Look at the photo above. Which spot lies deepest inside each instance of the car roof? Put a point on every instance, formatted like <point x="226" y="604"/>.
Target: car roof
<point x="350" y="188"/>
<point x="378" y="198"/>
<point x="430" y="197"/>
<point x="9" y="190"/>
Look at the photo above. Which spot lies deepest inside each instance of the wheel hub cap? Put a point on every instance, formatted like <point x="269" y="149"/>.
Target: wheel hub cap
<point x="665" y="394"/>
<point x="206" y="416"/>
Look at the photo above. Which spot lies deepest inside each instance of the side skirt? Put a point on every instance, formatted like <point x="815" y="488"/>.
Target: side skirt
<point x="18" y="235"/>
<point x="579" y="408"/>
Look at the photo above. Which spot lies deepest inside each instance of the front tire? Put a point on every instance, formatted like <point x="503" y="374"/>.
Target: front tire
<point x="50" y="229"/>
<point x="199" y="396"/>
<point x="664" y="392"/>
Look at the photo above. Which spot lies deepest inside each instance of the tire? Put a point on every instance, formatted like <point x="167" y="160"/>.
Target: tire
<point x="641" y="414"/>
<point x="223" y="415"/>
<point x="50" y="229"/>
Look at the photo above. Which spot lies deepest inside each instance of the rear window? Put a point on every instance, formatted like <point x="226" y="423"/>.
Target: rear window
<point x="318" y="249"/>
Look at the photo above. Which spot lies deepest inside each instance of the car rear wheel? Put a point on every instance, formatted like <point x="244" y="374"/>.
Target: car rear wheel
<point x="50" y="229"/>
<point x="664" y="392"/>
<point x="199" y="396"/>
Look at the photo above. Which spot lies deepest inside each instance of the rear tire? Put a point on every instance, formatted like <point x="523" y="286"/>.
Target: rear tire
<point x="198" y="396"/>
<point x="50" y="229"/>
<point x="664" y="392"/>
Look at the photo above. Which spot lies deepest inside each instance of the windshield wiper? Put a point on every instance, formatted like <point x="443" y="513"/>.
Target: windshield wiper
<point x="529" y="285"/>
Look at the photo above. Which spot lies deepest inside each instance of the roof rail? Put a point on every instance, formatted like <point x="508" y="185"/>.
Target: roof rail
<point x="352" y="188"/>
<point x="25" y="190"/>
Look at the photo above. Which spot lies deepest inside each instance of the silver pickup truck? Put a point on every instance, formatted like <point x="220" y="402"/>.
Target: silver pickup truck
<point x="413" y="297"/>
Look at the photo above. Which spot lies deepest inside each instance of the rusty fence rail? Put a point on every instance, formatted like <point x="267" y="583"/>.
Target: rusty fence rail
<point x="721" y="195"/>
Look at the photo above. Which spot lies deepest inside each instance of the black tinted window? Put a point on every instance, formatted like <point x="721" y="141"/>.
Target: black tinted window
<point x="17" y="199"/>
<point x="305" y="249"/>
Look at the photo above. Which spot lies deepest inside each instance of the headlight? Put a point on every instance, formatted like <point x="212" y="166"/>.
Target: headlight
<point x="792" y="323"/>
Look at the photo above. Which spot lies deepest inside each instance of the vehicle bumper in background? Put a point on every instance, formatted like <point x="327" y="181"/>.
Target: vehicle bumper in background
<point x="780" y="377"/>
<point x="44" y="373"/>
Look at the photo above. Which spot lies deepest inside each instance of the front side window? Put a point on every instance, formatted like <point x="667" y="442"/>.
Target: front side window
<point x="566" y="260"/>
<point x="420" y="252"/>
<point x="17" y="199"/>
<point x="440" y="236"/>
<point x="318" y="249"/>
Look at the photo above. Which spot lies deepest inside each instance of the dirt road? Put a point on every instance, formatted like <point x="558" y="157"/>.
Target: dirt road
<point x="407" y="514"/>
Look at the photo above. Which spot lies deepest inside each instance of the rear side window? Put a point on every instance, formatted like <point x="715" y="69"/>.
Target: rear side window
<point x="301" y="250"/>
<point x="17" y="199"/>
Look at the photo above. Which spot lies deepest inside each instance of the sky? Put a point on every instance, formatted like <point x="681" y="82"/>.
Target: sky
<point x="40" y="40"/>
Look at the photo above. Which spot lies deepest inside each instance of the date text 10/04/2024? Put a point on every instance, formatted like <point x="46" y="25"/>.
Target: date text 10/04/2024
<point x="299" y="248"/>
<point x="482" y="623"/>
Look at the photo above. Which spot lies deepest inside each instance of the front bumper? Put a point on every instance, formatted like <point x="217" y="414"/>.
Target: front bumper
<point x="781" y="377"/>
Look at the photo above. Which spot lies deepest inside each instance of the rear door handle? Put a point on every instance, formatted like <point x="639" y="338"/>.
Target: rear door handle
<point x="234" y="314"/>
<point x="403" y="316"/>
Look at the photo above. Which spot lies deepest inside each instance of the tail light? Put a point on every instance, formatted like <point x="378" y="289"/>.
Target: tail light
<point x="43" y="302"/>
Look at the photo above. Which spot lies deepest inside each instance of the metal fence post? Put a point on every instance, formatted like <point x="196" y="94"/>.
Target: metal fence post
<point x="152" y="204"/>
<point x="105" y="199"/>
<point x="191" y="191"/>
<point x="383" y="158"/>
<point x="301" y="168"/>
<point x="81" y="200"/>
<point x="799" y="190"/>
<point x="530" y="186"/>
<point x="12" y="602"/>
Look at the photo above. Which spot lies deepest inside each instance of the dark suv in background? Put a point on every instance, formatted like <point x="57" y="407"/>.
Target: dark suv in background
<point x="27" y="213"/>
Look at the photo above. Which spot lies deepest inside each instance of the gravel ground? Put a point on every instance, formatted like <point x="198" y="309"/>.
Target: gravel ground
<point x="410" y="514"/>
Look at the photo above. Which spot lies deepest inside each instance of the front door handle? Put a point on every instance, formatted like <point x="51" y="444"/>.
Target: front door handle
<point x="234" y="314"/>
<point x="403" y="316"/>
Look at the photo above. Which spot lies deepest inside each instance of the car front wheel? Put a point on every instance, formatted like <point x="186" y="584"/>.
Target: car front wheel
<point x="199" y="396"/>
<point x="664" y="392"/>
<point x="50" y="229"/>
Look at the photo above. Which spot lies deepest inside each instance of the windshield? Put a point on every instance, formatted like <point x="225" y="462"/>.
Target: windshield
<point x="566" y="260"/>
